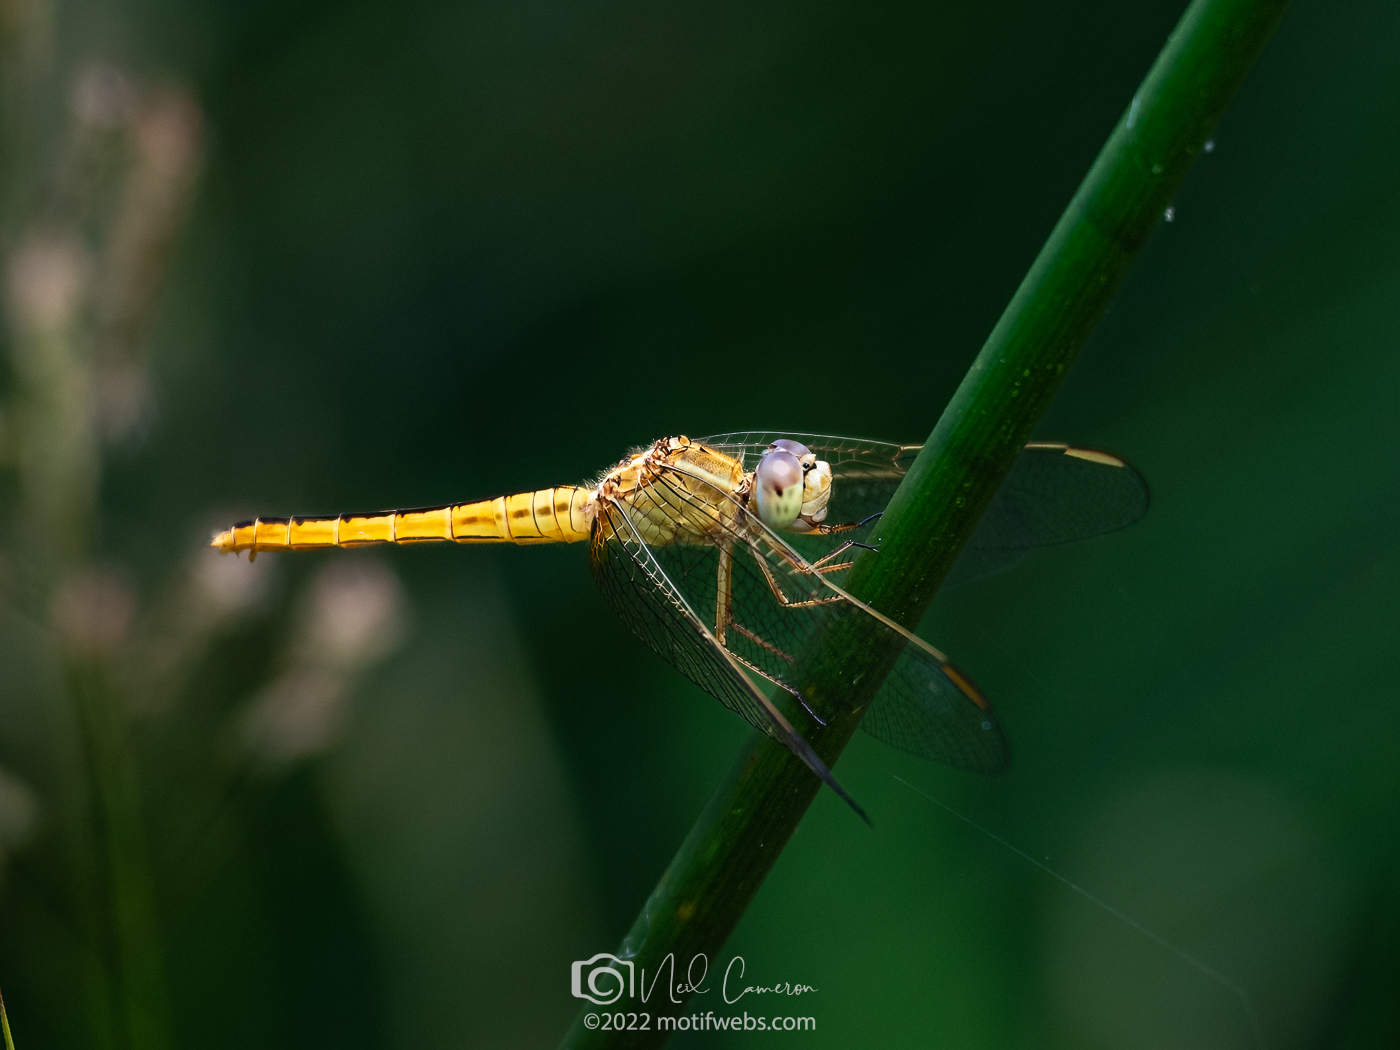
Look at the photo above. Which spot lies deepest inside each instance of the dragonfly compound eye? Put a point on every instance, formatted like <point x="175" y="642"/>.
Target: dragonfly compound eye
<point x="798" y="449"/>
<point x="778" y="488"/>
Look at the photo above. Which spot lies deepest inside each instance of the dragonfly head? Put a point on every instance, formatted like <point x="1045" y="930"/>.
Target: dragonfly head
<point x="792" y="487"/>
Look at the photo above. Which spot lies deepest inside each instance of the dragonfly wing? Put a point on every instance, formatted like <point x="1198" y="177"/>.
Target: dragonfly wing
<point x="779" y="601"/>
<point x="847" y="456"/>
<point x="923" y="708"/>
<point x="1054" y="494"/>
<point x="641" y="591"/>
<point x="661" y="613"/>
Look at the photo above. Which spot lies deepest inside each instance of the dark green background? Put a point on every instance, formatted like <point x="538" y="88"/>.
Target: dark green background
<point x="449" y="250"/>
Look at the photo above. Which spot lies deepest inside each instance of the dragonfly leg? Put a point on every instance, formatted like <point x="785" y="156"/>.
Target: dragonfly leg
<point x="783" y="599"/>
<point x="821" y="566"/>
<point x="757" y="640"/>
<point x="776" y="681"/>
<point x="827" y="530"/>
<point x="808" y="708"/>
<point x="724" y="593"/>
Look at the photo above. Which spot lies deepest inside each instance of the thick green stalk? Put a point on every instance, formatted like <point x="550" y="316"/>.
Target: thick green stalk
<point x="5" y="1025"/>
<point x="746" y="824"/>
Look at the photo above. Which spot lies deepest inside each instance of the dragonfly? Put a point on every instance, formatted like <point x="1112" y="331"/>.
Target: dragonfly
<point x="727" y="556"/>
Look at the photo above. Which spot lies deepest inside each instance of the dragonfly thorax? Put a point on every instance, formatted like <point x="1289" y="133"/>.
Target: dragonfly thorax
<point x="676" y="491"/>
<point x="706" y="491"/>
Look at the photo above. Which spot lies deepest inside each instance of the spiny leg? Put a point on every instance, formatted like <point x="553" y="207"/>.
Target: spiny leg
<point x="827" y="530"/>
<point x="776" y="681"/>
<point x="783" y="599"/>
<point x="761" y="642"/>
<point x="821" y="566"/>
<point x="726" y="611"/>
<point x="724" y="592"/>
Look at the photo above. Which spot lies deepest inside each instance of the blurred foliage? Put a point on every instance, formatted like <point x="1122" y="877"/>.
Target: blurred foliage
<point x="310" y="258"/>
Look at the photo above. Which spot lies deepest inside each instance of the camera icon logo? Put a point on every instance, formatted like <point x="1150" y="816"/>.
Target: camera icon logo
<point x="604" y="982"/>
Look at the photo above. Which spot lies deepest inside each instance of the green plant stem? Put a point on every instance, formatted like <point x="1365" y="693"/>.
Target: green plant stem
<point x="742" y="831"/>
<point x="5" y="1025"/>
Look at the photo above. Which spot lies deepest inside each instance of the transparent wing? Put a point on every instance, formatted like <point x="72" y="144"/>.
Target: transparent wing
<point x="853" y="456"/>
<point x="923" y="708"/>
<point x="662" y="614"/>
<point x="1054" y="494"/>
<point x="762" y="602"/>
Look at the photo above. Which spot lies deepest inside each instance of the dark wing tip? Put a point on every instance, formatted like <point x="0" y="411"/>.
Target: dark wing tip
<point x="835" y="786"/>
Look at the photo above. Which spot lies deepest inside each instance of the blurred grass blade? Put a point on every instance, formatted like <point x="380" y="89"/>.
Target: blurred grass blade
<point x="738" y="838"/>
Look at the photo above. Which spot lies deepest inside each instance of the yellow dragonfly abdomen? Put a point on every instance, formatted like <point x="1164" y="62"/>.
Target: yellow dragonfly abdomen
<point x="562" y="514"/>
